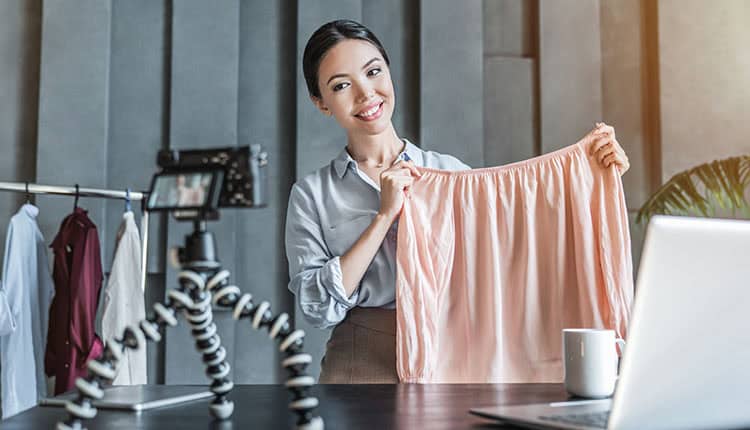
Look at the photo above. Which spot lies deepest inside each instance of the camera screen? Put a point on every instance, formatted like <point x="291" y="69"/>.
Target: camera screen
<point x="182" y="190"/>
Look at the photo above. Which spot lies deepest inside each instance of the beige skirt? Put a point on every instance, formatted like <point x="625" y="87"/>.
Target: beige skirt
<point x="362" y="349"/>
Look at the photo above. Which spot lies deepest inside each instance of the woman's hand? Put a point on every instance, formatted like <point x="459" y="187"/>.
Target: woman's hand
<point x="394" y="184"/>
<point x="607" y="150"/>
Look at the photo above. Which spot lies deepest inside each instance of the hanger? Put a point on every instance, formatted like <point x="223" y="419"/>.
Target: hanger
<point x="75" y="204"/>
<point x="128" y="207"/>
<point x="28" y="196"/>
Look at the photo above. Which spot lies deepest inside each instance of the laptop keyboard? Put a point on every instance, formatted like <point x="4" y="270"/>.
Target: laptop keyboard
<point x="595" y="419"/>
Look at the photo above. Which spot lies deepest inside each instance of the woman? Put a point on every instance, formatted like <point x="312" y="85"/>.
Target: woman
<point x="341" y="220"/>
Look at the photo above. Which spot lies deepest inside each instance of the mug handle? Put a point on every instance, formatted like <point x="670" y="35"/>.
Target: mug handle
<point x="621" y="343"/>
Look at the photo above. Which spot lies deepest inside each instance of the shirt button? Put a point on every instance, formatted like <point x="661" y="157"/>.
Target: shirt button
<point x="67" y="365"/>
<point x="67" y="343"/>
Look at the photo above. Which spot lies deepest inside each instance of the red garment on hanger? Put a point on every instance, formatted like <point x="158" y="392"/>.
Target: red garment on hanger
<point x="71" y="339"/>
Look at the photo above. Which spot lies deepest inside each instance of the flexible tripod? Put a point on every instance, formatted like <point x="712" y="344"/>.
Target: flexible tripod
<point x="203" y="283"/>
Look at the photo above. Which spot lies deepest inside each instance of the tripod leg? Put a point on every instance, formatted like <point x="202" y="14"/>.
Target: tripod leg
<point x="197" y="310"/>
<point x="105" y="367"/>
<point x="290" y="341"/>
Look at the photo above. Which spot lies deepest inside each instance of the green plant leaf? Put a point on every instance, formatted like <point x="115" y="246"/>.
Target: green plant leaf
<point x="700" y="189"/>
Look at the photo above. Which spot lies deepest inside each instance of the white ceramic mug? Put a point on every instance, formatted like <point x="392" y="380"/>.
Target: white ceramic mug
<point x="590" y="361"/>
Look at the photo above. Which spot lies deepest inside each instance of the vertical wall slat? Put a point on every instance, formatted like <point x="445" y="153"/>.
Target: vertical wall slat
<point x="509" y="110"/>
<point x="451" y="101"/>
<point x="137" y="109"/>
<point x="704" y="82"/>
<point x="137" y="114"/>
<point x="73" y="106"/>
<point x="395" y="23"/>
<point x="266" y="117"/>
<point x="510" y="93"/>
<point x="507" y="28"/>
<point x="20" y="35"/>
<point x="569" y="70"/>
<point x="203" y="114"/>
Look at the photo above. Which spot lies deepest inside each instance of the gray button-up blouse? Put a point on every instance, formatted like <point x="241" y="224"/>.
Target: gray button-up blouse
<point x="328" y="211"/>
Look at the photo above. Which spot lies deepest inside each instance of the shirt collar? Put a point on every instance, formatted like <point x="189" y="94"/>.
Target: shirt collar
<point x="30" y="209"/>
<point x="342" y="161"/>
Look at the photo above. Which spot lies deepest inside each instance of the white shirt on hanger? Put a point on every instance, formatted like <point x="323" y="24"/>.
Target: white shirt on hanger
<point x="25" y="299"/>
<point x="124" y="301"/>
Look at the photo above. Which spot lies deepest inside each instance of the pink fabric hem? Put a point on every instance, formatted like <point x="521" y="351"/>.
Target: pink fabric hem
<point x="507" y="168"/>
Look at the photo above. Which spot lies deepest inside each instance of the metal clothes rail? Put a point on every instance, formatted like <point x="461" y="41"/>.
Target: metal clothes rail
<point x="31" y="188"/>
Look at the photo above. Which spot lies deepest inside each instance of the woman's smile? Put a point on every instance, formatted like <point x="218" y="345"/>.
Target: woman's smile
<point x="371" y="113"/>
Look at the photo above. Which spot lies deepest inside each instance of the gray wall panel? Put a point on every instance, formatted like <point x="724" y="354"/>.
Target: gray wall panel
<point x="137" y="111"/>
<point x="509" y="109"/>
<point x="507" y="28"/>
<point x="319" y="138"/>
<point x="205" y="47"/>
<point x="203" y="114"/>
<point x="20" y="24"/>
<point x="704" y="70"/>
<point x="266" y="116"/>
<point x="623" y="91"/>
<point x="136" y="121"/>
<point x="569" y="70"/>
<point x="396" y="24"/>
<point x="73" y="105"/>
<point x="451" y="79"/>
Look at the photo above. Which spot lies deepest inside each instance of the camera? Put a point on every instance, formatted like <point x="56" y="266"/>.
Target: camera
<point x="194" y="184"/>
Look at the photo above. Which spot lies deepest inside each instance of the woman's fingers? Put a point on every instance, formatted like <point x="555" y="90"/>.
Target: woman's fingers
<point x="599" y="143"/>
<point x="399" y="179"/>
<point x="601" y="146"/>
<point x="605" y="152"/>
<point x="604" y="128"/>
<point x="607" y="160"/>
<point x="602" y="134"/>
<point x="606" y="149"/>
<point x="622" y="161"/>
<point x="617" y="158"/>
<point x="402" y="183"/>
<point x="403" y="170"/>
<point x="405" y="165"/>
<point x="413" y="169"/>
<point x="405" y="173"/>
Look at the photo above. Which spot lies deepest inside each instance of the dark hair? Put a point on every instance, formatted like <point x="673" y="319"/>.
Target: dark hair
<point x="324" y="39"/>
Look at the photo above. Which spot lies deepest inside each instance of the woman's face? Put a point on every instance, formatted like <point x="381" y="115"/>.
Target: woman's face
<point x="355" y="86"/>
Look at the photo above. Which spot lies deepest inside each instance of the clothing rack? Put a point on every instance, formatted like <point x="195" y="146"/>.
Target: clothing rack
<point x="30" y="188"/>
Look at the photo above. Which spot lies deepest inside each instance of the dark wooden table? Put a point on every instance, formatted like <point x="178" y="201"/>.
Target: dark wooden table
<point x="382" y="407"/>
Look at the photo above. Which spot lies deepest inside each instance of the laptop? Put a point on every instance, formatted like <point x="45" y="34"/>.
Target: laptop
<point x="687" y="362"/>
<point x="137" y="397"/>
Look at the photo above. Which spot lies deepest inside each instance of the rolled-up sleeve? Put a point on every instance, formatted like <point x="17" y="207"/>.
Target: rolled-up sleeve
<point x="315" y="274"/>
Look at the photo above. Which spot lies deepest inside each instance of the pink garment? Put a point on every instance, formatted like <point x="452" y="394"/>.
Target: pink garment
<point x="493" y="263"/>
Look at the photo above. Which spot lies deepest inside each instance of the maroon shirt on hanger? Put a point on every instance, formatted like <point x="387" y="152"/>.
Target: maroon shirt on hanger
<point x="71" y="339"/>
